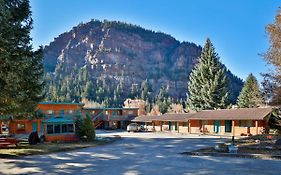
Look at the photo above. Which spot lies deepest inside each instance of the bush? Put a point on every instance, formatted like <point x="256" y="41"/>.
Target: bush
<point x="85" y="129"/>
<point x="275" y="121"/>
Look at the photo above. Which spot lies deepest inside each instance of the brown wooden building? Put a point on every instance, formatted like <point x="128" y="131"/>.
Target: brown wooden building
<point x="242" y="121"/>
<point x="54" y="119"/>
<point x="111" y="118"/>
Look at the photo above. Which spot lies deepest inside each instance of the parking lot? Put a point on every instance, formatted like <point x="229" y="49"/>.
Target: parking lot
<point x="140" y="153"/>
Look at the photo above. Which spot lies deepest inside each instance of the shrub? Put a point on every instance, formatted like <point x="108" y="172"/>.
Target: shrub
<point x="85" y="129"/>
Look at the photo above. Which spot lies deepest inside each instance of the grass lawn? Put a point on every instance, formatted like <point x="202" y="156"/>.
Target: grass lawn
<point x="45" y="148"/>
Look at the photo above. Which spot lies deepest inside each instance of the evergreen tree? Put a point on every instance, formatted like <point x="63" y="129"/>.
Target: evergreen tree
<point x="88" y="129"/>
<point x="21" y="68"/>
<point x="144" y="90"/>
<point x="207" y="88"/>
<point x="89" y="90"/>
<point x="250" y="95"/>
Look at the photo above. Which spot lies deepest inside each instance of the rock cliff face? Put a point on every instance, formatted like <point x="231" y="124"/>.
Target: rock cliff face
<point x="116" y="55"/>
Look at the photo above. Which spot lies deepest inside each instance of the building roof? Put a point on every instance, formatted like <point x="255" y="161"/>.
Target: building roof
<point x="222" y="114"/>
<point x="233" y="114"/>
<point x="61" y="103"/>
<point x="145" y="118"/>
<point x="59" y="120"/>
<point x="181" y="117"/>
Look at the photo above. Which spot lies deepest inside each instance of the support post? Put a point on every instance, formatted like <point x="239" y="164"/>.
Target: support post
<point x="161" y="125"/>
<point x="178" y="123"/>
<point x="0" y="127"/>
<point x="257" y="128"/>
<point x="233" y="128"/>
<point x="189" y="126"/>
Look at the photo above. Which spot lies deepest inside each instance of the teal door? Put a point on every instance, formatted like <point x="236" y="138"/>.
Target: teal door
<point x="170" y="126"/>
<point x="228" y="125"/>
<point x="34" y="126"/>
<point x="217" y="125"/>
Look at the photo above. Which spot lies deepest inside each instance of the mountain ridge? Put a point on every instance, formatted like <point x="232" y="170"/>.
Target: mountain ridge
<point x="119" y="56"/>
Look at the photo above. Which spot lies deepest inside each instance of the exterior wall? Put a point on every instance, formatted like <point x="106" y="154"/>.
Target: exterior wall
<point x="237" y="130"/>
<point x="28" y="126"/>
<point x="195" y="126"/>
<point x="130" y="112"/>
<point x="61" y="137"/>
<point x="183" y="127"/>
<point x="137" y="103"/>
<point x="57" y="108"/>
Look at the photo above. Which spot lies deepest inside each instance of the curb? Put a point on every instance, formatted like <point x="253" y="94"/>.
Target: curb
<point x="236" y="155"/>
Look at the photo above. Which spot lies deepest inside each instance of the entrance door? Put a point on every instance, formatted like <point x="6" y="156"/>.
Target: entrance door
<point x="34" y="126"/>
<point x="170" y="126"/>
<point x="217" y="125"/>
<point x="228" y="125"/>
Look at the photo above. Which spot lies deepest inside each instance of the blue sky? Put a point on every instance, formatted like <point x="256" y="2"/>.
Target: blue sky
<point x="236" y="27"/>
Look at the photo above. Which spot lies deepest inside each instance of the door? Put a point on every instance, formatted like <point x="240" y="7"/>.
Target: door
<point x="176" y="126"/>
<point x="228" y="125"/>
<point x="217" y="125"/>
<point x="34" y="126"/>
<point x="170" y="126"/>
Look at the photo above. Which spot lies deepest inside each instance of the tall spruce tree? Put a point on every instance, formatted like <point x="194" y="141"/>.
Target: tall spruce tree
<point x="207" y="87"/>
<point x="21" y="68"/>
<point x="250" y="95"/>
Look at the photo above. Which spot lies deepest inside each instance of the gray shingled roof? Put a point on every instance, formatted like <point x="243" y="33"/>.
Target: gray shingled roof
<point x="183" y="117"/>
<point x="145" y="118"/>
<point x="221" y="114"/>
<point x="233" y="114"/>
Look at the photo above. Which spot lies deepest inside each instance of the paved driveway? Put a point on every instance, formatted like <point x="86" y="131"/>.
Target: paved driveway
<point x="142" y="153"/>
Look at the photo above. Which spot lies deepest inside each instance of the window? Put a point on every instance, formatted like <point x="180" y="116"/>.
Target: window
<point x="185" y="124"/>
<point x="57" y="128"/>
<point x="70" y="128"/>
<point x="203" y="122"/>
<point x="60" y="128"/>
<point x="67" y="128"/>
<point x="130" y="112"/>
<point x="50" y="129"/>
<point x="50" y="112"/>
<point x="245" y="123"/>
<point x="106" y="112"/>
<point x="70" y="112"/>
<point x="20" y="126"/>
<point x="93" y="112"/>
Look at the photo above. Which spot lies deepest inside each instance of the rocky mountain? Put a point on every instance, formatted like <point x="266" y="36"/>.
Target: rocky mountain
<point x="110" y="61"/>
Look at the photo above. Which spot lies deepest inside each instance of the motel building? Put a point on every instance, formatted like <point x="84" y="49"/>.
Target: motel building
<point x="54" y="120"/>
<point x="233" y="122"/>
<point x="111" y="118"/>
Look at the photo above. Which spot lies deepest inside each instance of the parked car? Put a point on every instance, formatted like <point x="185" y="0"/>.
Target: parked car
<point x="133" y="127"/>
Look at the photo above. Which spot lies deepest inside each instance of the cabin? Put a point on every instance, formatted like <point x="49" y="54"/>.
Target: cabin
<point x="55" y="120"/>
<point x="234" y="122"/>
<point x="111" y="118"/>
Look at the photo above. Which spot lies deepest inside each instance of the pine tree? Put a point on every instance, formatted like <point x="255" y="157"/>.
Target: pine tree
<point x="21" y="68"/>
<point x="250" y="95"/>
<point x="88" y="129"/>
<point x="144" y="90"/>
<point x="207" y="87"/>
<point x="89" y="90"/>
